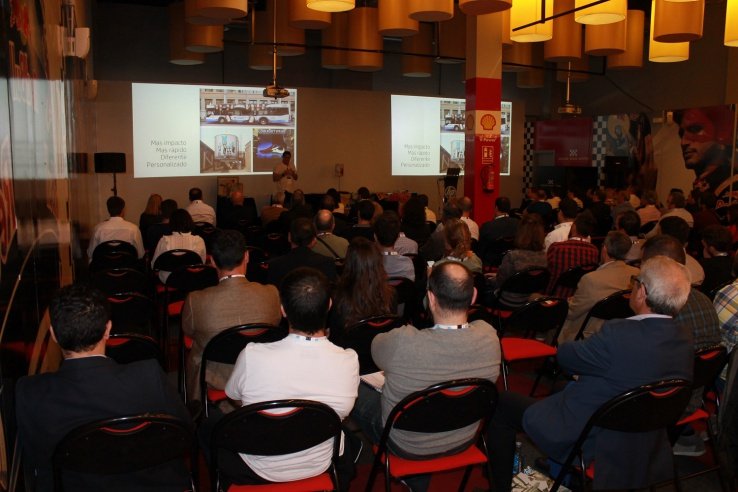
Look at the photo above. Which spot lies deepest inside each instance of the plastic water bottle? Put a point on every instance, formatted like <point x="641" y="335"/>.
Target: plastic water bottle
<point x="518" y="458"/>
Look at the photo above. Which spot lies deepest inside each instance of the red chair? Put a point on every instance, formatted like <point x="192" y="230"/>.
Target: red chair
<point x="257" y="429"/>
<point x="442" y="407"/>
<point x="539" y="317"/>
<point x="225" y="347"/>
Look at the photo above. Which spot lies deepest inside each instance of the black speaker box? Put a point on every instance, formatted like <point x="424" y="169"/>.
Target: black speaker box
<point x="110" y="162"/>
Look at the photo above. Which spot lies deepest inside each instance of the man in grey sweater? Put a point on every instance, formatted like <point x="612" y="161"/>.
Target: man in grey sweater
<point x="414" y="359"/>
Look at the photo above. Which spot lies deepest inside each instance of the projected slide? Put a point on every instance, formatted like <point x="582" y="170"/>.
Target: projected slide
<point x="188" y="130"/>
<point x="428" y="135"/>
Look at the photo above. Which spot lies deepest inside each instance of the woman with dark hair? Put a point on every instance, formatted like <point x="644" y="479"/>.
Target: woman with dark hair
<point x="458" y="246"/>
<point x="362" y="289"/>
<point x="527" y="252"/>
<point x="413" y="221"/>
<point x="151" y="214"/>
<point x="181" y="238"/>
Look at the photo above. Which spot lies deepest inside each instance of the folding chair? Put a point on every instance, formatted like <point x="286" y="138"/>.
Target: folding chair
<point x="124" y="348"/>
<point x="647" y="408"/>
<point x="274" y="428"/>
<point x="496" y="251"/>
<point x="571" y="277"/>
<point x="442" y="407"/>
<point x="614" y="306"/>
<point x="256" y="270"/>
<point x="408" y="303"/>
<point x="131" y="312"/>
<point x="539" y="317"/>
<point x="225" y="347"/>
<point x="114" y="254"/>
<point x="126" y="445"/>
<point x="117" y="280"/>
<point x="359" y="337"/>
<point x="524" y="282"/>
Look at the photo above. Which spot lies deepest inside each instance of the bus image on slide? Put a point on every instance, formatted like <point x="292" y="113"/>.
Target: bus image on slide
<point x="274" y="114"/>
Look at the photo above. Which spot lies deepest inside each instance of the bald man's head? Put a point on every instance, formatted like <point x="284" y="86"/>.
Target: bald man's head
<point x="453" y="286"/>
<point x="664" y="245"/>
<point x="324" y="221"/>
<point x="666" y="284"/>
<point x="237" y="198"/>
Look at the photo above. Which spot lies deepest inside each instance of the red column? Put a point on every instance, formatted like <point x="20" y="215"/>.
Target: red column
<point x="483" y="97"/>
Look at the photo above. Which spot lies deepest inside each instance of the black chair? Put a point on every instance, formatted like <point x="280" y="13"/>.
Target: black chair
<point x="496" y="250"/>
<point x="125" y="445"/>
<point x="114" y="254"/>
<point x="359" y="337"/>
<point x="614" y="306"/>
<point x="540" y="317"/>
<point x="124" y="348"/>
<point x="571" y="277"/>
<point x="225" y="347"/>
<point x="206" y="231"/>
<point x="132" y="312"/>
<point x="443" y="407"/>
<point x="647" y="408"/>
<point x="408" y="303"/>
<point x="256" y="270"/>
<point x="268" y="429"/>
<point x="117" y="280"/>
<point x="173" y="259"/>
<point x="519" y="285"/>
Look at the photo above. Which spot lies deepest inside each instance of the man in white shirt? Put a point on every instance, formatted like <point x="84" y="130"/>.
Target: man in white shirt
<point x="284" y="176"/>
<point x="465" y="204"/>
<point x="116" y="228"/>
<point x="567" y="213"/>
<point x="305" y="365"/>
<point x="199" y="210"/>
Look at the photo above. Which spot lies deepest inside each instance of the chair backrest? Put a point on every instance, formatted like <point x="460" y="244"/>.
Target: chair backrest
<point x="708" y="364"/>
<point x="359" y="337"/>
<point x="495" y="250"/>
<point x="170" y="260"/>
<point x="226" y="345"/>
<point x="123" y="445"/>
<point x="256" y="270"/>
<point x="119" y="280"/>
<point x="274" y="428"/>
<point x="538" y="316"/>
<point x="571" y="277"/>
<point x="526" y="281"/>
<point x="124" y="348"/>
<point x="114" y="254"/>
<point x="614" y="306"/>
<point x="131" y="312"/>
<point x="407" y="298"/>
<point x="711" y="294"/>
<point x="444" y="407"/>
<point x="193" y="277"/>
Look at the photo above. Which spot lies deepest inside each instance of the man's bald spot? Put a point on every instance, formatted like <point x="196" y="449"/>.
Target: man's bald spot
<point x="664" y="245"/>
<point x="237" y="198"/>
<point x="324" y="220"/>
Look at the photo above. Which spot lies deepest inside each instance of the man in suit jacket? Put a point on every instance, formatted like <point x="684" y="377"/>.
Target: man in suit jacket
<point x="302" y="238"/>
<point x="613" y="275"/>
<point x="234" y="301"/>
<point x="501" y="227"/>
<point x="89" y="387"/>
<point x="623" y="355"/>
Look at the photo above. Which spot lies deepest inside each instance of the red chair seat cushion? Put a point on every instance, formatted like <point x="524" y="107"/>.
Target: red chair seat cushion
<point x="215" y="394"/>
<point x="502" y="313"/>
<point x="175" y="308"/>
<point x="188" y="341"/>
<point x="525" y="348"/>
<point x="698" y="414"/>
<point x="321" y="482"/>
<point x="401" y="467"/>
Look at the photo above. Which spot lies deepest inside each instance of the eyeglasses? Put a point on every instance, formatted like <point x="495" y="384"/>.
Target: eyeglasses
<point x="636" y="278"/>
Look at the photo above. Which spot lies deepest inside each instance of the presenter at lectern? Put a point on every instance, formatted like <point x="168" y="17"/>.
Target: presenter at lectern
<point x="284" y="176"/>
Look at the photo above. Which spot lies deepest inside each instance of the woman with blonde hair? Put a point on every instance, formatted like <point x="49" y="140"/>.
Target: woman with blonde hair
<point x="151" y="214"/>
<point x="458" y="246"/>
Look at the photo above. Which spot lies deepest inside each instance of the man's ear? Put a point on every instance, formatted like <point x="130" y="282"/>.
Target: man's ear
<point x="108" y="327"/>
<point x="281" y="310"/>
<point x="474" y="296"/>
<point x="53" y="334"/>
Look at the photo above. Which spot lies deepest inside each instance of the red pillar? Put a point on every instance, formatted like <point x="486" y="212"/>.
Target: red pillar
<point x="483" y="103"/>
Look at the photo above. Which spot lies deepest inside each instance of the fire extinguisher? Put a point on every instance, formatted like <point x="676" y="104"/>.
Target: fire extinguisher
<point x="486" y="173"/>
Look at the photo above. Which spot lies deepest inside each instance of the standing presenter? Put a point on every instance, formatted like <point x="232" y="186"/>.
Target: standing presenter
<point x="285" y="176"/>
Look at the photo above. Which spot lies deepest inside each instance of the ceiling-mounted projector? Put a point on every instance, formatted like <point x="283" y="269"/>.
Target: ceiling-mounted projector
<point x="570" y="108"/>
<point x="276" y="92"/>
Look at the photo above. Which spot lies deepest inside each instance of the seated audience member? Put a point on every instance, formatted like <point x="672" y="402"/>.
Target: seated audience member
<point x="332" y="203"/>
<point x="726" y="307"/>
<point x="271" y="213"/>
<point x="363" y="228"/>
<point x="501" y="227"/>
<point x="458" y="246"/>
<point x="89" y="387"/>
<point x="622" y="203"/>
<point x="466" y="206"/>
<point x="568" y="211"/>
<point x="302" y="239"/>
<point x="151" y="214"/>
<point x="362" y="289"/>
<point x="404" y="245"/>
<point x="717" y="262"/>
<point x="612" y="276"/>
<point x="386" y="232"/>
<point x="430" y="216"/>
<point x="629" y="223"/>
<point x="677" y="228"/>
<point x="180" y="238"/>
<point x="414" y="359"/>
<point x="541" y="207"/>
<point x="198" y="209"/>
<point x="572" y="195"/>
<point x="530" y="197"/>
<point x="601" y="212"/>
<point x="649" y="211"/>
<point x="234" y="301"/>
<point x="116" y="228"/>
<point x="674" y="208"/>
<point x="435" y="247"/>
<point x="624" y="354"/>
<point x="156" y="231"/>
<point x="327" y="243"/>
<point x="299" y="208"/>
<point x="574" y="252"/>
<point x="527" y="253"/>
<point x="414" y="224"/>
<point x="304" y="365"/>
<point x="705" y="215"/>
<point x="238" y="215"/>
<point x="555" y="199"/>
